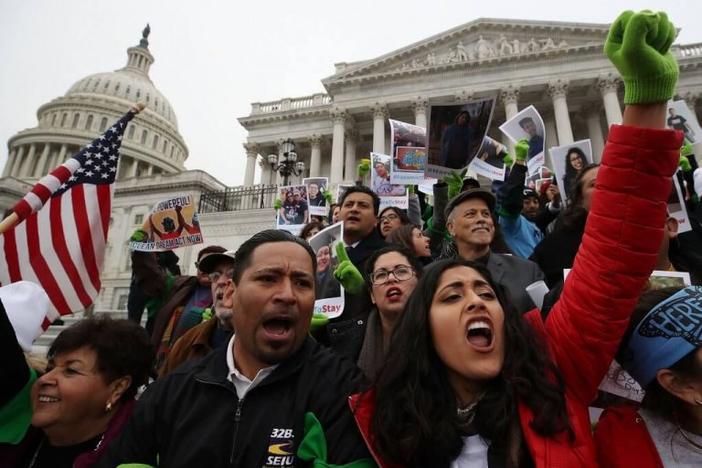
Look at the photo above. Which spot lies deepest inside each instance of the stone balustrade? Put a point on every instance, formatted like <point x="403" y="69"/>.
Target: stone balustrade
<point x="287" y="104"/>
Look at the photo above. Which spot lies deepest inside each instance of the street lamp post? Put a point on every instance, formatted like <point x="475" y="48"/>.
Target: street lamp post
<point x="288" y="165"/>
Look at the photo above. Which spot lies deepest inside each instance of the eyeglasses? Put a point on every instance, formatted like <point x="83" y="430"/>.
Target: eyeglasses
<point x="390" y="217"/>
<point x="216" y="275"/>
<point x="401" y="273"/>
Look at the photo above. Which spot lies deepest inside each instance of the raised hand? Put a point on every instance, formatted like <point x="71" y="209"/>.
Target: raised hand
<point x="363" y="168"/>
<point x="327" y="196"/>
<point x="277" y="204"/>
<point x="454" y="180"/>
<point x="138" y="236"/>
<point x="638" y="45"/>
<point x="521" y="150"/>
<point x="346" y="273"/>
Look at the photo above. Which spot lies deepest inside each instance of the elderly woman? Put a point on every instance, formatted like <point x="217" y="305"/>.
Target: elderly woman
<point x="663" y="353"/>
<point x="469" y="382"/>
<point x="87" y="393"/>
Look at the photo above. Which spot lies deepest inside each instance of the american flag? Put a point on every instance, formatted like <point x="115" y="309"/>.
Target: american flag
<point x="59" y="239"/>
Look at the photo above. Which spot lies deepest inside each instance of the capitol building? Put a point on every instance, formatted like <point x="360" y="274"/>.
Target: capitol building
<point x="558" y="67"/>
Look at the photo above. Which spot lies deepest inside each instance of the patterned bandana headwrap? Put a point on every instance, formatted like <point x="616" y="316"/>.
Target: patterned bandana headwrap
<point x="668" y="333"/>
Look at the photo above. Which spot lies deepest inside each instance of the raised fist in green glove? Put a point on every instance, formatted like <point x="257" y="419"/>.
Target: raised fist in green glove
<point x="318" y="321"/>
<point x="521" y="150"/>
<point x="138" y="236"/>
<point x="346" y="273"/>
<point x="684" y="164"/>
<point x="327" y="196"/>
<point x="638" y="44"/>
<point x="363" y="168"/>
<point x="508" y="160"/>
<point x="686" y="150"/>
<point x="277" y="204"/>
<point x="454" y="180"/>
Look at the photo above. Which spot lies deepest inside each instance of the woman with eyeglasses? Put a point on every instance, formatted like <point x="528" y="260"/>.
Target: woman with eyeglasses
<point x="467" y="381"/>
<point x="391" y="275"/>
<point x="391" y="218"/>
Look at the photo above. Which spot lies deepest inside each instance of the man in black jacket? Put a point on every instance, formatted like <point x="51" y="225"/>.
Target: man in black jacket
<point x="247" y="404"/>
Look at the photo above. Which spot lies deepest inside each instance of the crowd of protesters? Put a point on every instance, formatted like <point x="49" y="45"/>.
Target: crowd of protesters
<point x="443" y="355"/>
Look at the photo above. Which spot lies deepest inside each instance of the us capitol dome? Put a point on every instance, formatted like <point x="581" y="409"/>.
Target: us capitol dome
<point x="151" y="144"/>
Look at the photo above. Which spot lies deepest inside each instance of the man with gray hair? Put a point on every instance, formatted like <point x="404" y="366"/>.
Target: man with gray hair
<point x="470" y="221"/>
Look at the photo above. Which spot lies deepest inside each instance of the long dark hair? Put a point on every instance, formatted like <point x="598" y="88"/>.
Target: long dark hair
<point x="415" y="422"/>
<point x="402" y="236"/>
<point x="570" y="171"/>
<point x="575" y="215"/>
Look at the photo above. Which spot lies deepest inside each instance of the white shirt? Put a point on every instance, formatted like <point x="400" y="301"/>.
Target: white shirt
<point x="474" y="454"/>
<point x="240" y="381"/>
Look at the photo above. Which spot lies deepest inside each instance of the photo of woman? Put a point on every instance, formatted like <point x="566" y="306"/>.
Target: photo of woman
<point x="575" y="161"/>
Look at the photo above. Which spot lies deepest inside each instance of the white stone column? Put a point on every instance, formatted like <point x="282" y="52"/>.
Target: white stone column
<point x="608" y="84"/>
<point x="61" y="156"/>
<point x="557" y="90"/>
<point x="132" y="170"/>
<point x="315" y="155"/>
<point x="594" y="130"/>
<point x="380" y="114"/>
<point x="337" y="158"/>
<point x="420" y="112"/>
<point x="251" y="155"/>
<point x="551" y="134"/>
<point x="350" y="161"/>
<point x="149" y="169"/>
<point x="39" y="171"/>
<point x="7" y="170"/>
<point x="27" y="163"/>
<point x="510" y="96"/>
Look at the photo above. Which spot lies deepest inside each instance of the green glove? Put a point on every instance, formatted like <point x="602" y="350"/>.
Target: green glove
<point x="313" y="447"/>
<point x="521" y="150"/>
<point x="346" y="273"/>
<point x="686" y="150"/>
<point x="508" y="160"/>
<point x="327" y="196"/>
<point x="138" y="235"/>
<point x="363" y="168"/>
<point x="318" y="321"/>
<point x="207" y="314"/>
<point x="454" y="180"/>
<point x="684" y="164"/>
<point x="410" y="189"/>
<point x="277" y="204"/>
<point x="638" y="45"/>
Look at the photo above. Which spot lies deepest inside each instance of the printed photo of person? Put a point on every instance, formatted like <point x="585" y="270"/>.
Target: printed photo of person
<point x="456" y="134"/>
<point x="326" y="264"/>
<point x="568" y="162"/>
<point x="380" y="177"/>
<point x="528" y="125"/>
<point x="680" y="118"/>
<point x="294" y="212"/>
<point x="315" y="195"/>
<point x="329" y="293"/>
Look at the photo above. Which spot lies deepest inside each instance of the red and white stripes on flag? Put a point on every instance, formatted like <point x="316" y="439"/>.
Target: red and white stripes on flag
<point x="59" y="240"/>
<point x="61" y="247"/>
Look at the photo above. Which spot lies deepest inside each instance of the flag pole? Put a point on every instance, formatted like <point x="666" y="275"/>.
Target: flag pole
<point x="11" y="220"/>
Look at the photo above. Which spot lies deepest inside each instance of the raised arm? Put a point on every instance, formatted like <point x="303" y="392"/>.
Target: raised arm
<point x="625" y="223"/>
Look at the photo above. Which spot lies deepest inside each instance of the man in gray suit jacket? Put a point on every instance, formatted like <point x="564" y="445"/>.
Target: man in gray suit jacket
<point x="470" y="222"/>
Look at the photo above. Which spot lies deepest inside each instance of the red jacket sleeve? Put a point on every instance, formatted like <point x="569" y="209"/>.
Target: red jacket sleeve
<point x="618" y="252"/>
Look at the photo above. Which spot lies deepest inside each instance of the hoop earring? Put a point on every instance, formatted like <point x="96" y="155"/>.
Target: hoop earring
<point x="108" y="407"/>
<point x="699" y="402"/>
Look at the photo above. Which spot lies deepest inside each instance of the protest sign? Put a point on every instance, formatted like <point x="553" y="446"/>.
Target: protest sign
<point x="294" y="212"/>
<point x="390" y="194"/>
<point x="172" y="223"/>
<point x="330" y="294"/>
<point x="315" y="187"/>
<point x="680" y="118"/>
<point x="528" y="125"/>
<point x="409" y="155"/>
<point x="489" y="161"/>
<point x="676" y="205"/>
<point x="455" y="135"/>
<point x="568" y="161"/>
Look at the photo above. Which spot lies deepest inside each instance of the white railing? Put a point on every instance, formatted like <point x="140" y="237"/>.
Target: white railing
<point x="690" y="50"/>
<point x="286" y="104"/>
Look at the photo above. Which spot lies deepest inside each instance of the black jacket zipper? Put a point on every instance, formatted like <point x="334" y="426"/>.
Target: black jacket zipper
<point x="237" y="418"/>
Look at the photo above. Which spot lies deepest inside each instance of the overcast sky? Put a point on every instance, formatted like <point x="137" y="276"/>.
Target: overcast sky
<point x="214" y="58"/>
